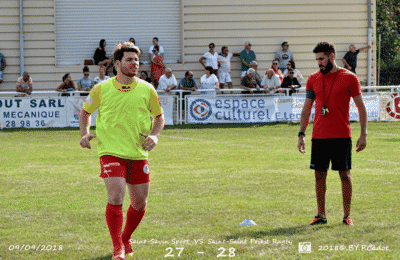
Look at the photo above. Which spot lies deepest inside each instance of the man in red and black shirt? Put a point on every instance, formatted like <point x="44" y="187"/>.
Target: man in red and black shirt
<point x="331" y="88"/>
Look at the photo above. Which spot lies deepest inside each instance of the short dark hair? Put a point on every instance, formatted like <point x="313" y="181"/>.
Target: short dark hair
<point x="211" y="44"/>
<point x="292" y="64"/>
<point x="86" y="69"/>
<point x="325" y="47"/>
<point x="155" y="38"/>
<point x="283" y="43"/>
<point x="145" y="72"/>
<point x="187" y="73"/>
<point x="65" y="76"/>
<point x="132" y="40"/>
<point x="156" y="48"/>
<point x="290" y="70"/>
<point x="223" y="48"/>
<point x="101" y="43"/>
<point x="121" y="48"/>
<point x="210" y="69"/>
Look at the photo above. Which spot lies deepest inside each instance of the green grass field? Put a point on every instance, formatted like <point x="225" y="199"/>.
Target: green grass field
<point x="205" y="180"/>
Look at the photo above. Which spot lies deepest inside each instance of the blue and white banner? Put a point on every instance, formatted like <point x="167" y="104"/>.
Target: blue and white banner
<point x="261" y="109"/>
<point x="38" y="112"/>
<point x="74" y="106"/>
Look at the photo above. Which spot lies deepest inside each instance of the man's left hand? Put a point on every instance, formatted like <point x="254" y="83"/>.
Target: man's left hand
<point x="150" y="142"/>
<point x="361" y="143"/>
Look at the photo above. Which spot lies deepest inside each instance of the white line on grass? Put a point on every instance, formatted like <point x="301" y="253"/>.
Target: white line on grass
<point x="255" y="147"/>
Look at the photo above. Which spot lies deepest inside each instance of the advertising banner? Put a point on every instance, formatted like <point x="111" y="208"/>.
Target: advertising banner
<point x="168" y="103"/>
<point x="37" y="112"/>
<point x="74" y="106"/>
<point x="261" y="109"/>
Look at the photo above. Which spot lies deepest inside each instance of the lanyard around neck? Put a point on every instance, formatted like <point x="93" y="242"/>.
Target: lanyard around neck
<point x="330" y="91"/>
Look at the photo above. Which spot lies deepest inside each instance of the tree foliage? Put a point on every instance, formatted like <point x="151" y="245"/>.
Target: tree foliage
<point x="388" y="26"/>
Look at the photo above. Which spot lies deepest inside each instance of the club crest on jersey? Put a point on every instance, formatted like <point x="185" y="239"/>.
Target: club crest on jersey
<point x="125" y="88"/>
<point x="146" y="169"/>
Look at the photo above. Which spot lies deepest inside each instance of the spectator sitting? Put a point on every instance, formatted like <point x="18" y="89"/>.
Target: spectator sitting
<point x="188" y="83"/>
<point x="291" y="82"/>
<point x="209" y="81"/>
<point x="284" y="56"/>
<point x="100" y="57"/>
<point x="254" y="65"/>
<point x="2" y="67"/>
<point x="270" y="81"/>
<point x="297" y="74"/>
<point x="211" y="58"/>
<point x="157" y="66"/>
<point x="67" y="85"/>
<point x="160" y="50"/>
<point x="246" y="57"/>
<point x="277" y="71"/>
<point x="249" y="82"/>
<point x="145" y="76"/>
<point x="85" y="83"/>
<point x="224" y="63"/>
<point x="102" y="77"/>
<point x="167" y="81"/>
<point x="24" y="84"/>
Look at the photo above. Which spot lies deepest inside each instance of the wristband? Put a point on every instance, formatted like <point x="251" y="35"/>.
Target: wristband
<point x="301" y="133"/>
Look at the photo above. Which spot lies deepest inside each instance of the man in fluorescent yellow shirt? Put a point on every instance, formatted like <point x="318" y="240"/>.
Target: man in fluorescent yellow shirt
<point x="125" y="136"/>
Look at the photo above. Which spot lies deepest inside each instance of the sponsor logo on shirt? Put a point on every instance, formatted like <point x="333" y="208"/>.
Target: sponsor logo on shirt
<point x="146" y="169"/>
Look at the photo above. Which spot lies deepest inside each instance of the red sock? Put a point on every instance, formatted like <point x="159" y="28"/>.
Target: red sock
<point x="115" y="220"/>
<point x="133" y="219"/>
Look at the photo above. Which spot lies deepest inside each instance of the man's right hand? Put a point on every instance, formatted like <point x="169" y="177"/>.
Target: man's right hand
<point x="85" y="141"/>
<point x="301" y="144"/>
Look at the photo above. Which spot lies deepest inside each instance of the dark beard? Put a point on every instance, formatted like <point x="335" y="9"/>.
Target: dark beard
<point x="328" y="68"/>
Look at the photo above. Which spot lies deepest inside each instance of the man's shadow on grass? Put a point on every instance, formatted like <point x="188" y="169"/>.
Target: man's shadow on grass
<point x="107" y="257"/>
<point x="289" y="231"/>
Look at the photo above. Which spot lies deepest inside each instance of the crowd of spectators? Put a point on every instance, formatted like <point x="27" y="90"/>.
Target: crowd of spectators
<point x="281" y="74"/>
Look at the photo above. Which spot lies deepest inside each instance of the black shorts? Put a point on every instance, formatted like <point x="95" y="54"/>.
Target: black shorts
<point x="337" y="150"/>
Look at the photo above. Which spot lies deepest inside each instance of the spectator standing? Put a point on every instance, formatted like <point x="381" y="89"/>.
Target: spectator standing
<point x="297" y="74"/>
<point x="249" y="82"/>
<point x="209" y="81"/>
<point x="25" y="84"/>
<point x="271" y="81"/>
<point x="350" y="58"/>
<point x="291" y="82"/>
<point x="246" y="57"/>
<point x="277" y="70"/>
<point x="100" y="57"/>
<point x="284" y="56"/>
<point x="3" y="65"/>
<point x="224" y="63"/>
<point x="102" y="76"/>
<point x="167" y="81"/>
<point x="160" y="50"/>
<point x="67" y="85"/>
<point x="145" y="76"/>
<point x="211" y="58"/>
<point x="157" y="66"/>
<point x="85" y="83"/>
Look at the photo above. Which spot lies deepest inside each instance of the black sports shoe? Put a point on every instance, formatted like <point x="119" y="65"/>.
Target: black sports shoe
<point x="318" y="220"/>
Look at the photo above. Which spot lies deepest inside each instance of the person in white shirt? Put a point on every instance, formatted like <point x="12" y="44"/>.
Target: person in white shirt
<point x="224" y="63"/>
<point x="167" y="81"/>
<point x="209" y="81"/>
<point x="270" y="81"/>
<point x="211" y="58"/>
<point x="102" y="77"/>
<point x="160" y="51"/>
<point x="297" y="74"/>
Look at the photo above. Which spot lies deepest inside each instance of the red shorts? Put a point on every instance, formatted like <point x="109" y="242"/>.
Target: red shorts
<point x="134" y="171"/>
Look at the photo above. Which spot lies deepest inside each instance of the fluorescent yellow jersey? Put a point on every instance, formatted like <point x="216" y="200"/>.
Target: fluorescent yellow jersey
<point x="123" y="114"/>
